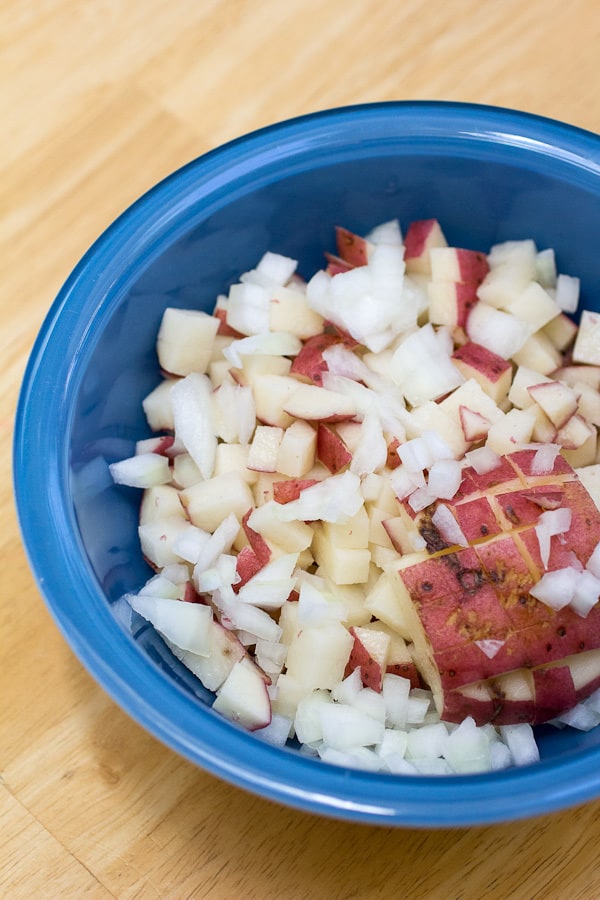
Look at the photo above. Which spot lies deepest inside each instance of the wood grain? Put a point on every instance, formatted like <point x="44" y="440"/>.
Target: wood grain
<point x="100" y="99"/>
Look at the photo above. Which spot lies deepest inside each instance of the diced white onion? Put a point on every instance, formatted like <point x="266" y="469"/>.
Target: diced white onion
<point x="448" y="527"/>
<point x="444" y="478"/>
<point x="544" y="459"/>
<point x="556" y="589"/>
<point x="483" y="460"/>
<point x="551" y="523"/>
<point x="490" y="647"/>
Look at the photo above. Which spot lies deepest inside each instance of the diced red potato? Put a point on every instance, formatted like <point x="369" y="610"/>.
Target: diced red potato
<point x="352" y="248"/>
<point x="370" y="652"/>
<point x="587" y="342"/>
<point x="248" y="563"/>
<point x="264" y="448"/>
<point x="290" y="312"/>
<point x="162" y="445"/>
<point x="335" y="264"/>
<point x="451" y="301"/>
<point x="562" y="331"/>
<point x="558" y="401"/>
<point x="243" y="696"/>
<point x="331" y="449"/>
<point x="458" y="265"/>
<point x="185" y="340"/>
<point x="539" y="353"/>
<point x="399" y="657"/>
<point x="491" y="371"/>
<point x="422" y="237"/>
<point x="578" y="373"/>
<point x="310" y="362"/>
<point x="534" y="306"/>
<point x="220" y="313"/>
<point x="297" y="451"/>
<point x="286" y="491"/>
<point x="393" y="460"/>
<point x="257" y="542"/>
<point x="449" y="596"/>
<point x="475" y="426"/>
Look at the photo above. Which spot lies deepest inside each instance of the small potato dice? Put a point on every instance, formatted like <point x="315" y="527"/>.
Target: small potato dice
<point x="185" y="340"/>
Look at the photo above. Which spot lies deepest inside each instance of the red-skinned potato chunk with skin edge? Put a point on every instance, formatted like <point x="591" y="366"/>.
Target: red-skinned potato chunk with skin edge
<point x="492" y="372"/>
<point x="421" y="237"/>
<point x="352" y="249"/>
<point x="370" y="652"/>
<point x="331" y="449"/>
<point x="470" y="611"/>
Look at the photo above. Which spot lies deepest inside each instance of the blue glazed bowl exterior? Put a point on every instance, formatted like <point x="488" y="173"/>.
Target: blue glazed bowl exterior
<point x="488" y="175"/>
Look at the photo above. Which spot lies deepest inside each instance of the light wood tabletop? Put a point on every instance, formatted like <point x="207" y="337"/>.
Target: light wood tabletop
<point x="100" y="99"/>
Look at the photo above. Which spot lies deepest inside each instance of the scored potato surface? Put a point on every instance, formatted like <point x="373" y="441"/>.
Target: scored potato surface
<point x="455" y="598"/>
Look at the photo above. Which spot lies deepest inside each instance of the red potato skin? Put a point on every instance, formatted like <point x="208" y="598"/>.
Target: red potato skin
<point x="336" y="265"/>
<point x="421" y="235"/>
<point x="225" y="329"/>
<point x="476" y="519"/>
<point x="287" y="491"/>
<point x="371" y="671"/>
<point x="163" y="444"/>
<point x="415" y="240"/>
<point x="309" y="362"/>
<point x="554" y="692"/>
<point x="463" y="297"/>
<point x="522" y="460"/>
<point x="480" y="359"/>
<point x="577" y="544"/>
<point x="472" y="265"/>
<point x="256" y="540"/>
<point x="584" y="533"/>
<point x="344" y="336"/>
<point x="247" y="565"/>
<point x="191" y="595"/>
<point x="518" y="508"/>
<point x="587" y="689"/>
<point x="482" y="592"/>
<point x="331" y="449"/>
<point x="406" y="670"/>
<point x="474" y="426"/>
<point x="450" y="576"/>
<point x="560" y="556"/>
<point x="508" y="572"/>
<point x="457" y="707"/>
<point x="466" y="298"/>
<point x="351" y="248"/>
<point x="393" y="460"/>
<point x="474" y="482"/>
<point x="453" y="631"/>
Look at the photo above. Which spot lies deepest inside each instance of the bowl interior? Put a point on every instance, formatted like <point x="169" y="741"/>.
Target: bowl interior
<point x="487" y="176"/>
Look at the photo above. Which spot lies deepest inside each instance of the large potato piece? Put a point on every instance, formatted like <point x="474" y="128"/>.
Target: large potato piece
<point x="483" y="643"/>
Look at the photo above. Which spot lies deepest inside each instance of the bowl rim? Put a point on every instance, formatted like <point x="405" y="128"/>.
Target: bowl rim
<point x="44" y="512"/>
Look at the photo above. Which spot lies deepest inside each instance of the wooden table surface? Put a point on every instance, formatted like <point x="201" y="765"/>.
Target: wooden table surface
<point x="99" y="100"/>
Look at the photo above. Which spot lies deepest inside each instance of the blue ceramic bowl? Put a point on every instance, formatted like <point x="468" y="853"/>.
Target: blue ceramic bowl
<point x="488" y="175"/>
